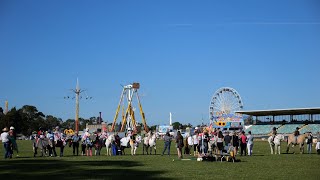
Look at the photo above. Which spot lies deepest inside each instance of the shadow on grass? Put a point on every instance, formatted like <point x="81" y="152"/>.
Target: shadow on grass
<point x="53" y="169"/>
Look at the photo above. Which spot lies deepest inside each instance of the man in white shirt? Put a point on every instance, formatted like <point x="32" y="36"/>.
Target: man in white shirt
<point x="190" y="143"/>
<point x="6" y="142"/>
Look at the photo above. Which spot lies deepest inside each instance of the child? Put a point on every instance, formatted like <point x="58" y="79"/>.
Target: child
<point x="83" y="148"/>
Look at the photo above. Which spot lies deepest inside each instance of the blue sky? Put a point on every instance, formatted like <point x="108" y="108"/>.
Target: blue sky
<point x="181" y="52"/>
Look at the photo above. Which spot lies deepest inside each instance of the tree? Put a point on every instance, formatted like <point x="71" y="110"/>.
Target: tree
<point x="70" y="123"/>
<point x="176" y="125"/>
<point x="153" y="128"/>
<point x="52" y="122"/>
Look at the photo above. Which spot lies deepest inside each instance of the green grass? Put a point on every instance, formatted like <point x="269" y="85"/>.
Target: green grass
<point x="262" y="165"/>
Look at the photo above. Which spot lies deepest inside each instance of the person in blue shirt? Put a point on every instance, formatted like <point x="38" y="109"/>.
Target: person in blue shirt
<point x="52" y="146"/>
<point x="75" y="144"/>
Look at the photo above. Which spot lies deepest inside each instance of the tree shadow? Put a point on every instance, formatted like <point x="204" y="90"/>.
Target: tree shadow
<point x="53" y="169"/>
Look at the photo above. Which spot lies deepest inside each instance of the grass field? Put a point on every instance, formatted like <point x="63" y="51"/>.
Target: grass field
<point x="262" y="165"/>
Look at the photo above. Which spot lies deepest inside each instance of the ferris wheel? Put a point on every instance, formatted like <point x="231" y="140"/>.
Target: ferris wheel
<point x="225" y="100"/>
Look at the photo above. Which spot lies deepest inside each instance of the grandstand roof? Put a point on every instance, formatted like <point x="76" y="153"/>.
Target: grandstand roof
<point x="279" y="112"/>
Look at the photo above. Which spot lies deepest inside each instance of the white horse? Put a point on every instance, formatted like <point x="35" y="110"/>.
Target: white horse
<point x="152" y="143"/>
<point x="275" y="144"/>
<point x="108" y="143"/>
<point x="146" y="142"/>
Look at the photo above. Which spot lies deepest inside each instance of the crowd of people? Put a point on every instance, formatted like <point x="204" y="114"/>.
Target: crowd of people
<point x="198" y="142"/>
<point x="209" y="142"/>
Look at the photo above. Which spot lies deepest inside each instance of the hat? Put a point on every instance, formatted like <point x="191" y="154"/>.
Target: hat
<point x="196" y="128"/>
<point x="11" y="128"/>
<point x="5" y="129"/>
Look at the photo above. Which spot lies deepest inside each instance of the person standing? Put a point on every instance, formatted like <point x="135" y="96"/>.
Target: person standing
<point x="296" y="133"/>
<point x="88" y="142"/>
<point x="52" y="146"/>
<point x="309" y="142"/>
<point x="179" y="144"/>
<point x="220" y="142"/>
<point x="167" y="143"/>
<point x="243" y="143"/>
<point x="205" y="142"/>
<point x="235" y="142"/>
<point x="227" y="140"/>
<point x="13" y="134"/>
<point x="196" y="147"/>
<point x="273" y="133"/>
<point x="75" y="144"/>
<point x="59" y="140"/>
<point x="190" y="143"/>
<point x="6" y="142"/>
<point x="249" y="143"/>
<point x="318" y="143"/>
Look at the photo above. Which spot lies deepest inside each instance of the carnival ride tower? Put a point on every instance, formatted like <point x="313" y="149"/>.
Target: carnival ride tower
<point x="128" y="117"/>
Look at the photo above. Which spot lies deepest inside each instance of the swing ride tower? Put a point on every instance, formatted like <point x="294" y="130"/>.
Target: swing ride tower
<point x="128" y="117"/>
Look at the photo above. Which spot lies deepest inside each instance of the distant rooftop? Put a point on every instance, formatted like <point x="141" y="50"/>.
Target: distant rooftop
<point x="279" y="112"/>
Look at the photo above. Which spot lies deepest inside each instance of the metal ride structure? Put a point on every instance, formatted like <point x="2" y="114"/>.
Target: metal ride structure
<point x="77" y="91"/>
<point x="223" y="105"/>
<point x="128" y="117"/>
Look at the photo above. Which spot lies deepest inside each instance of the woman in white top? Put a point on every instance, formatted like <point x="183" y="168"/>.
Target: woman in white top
<point x="249" y="143"/>
<point x="196" y="147"/>
<point x="190" y="143"/>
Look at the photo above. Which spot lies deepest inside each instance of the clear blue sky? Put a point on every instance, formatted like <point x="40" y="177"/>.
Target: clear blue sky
<point x="181" y="52"/>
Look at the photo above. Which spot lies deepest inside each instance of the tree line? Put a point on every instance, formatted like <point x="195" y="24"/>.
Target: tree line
<point x="28" y="119"/>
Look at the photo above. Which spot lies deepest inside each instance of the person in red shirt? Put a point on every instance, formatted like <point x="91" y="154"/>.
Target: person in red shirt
<point x="243" y="143"/>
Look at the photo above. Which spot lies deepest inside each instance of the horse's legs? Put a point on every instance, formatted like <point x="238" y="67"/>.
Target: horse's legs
<point x="271" y="148"/>
<point x="288" y="148"/>
<point x="275" y="148"/>
<point x="301" y="148"/>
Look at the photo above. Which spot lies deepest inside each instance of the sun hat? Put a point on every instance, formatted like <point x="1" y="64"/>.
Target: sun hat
<point x="5" y="129"/>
